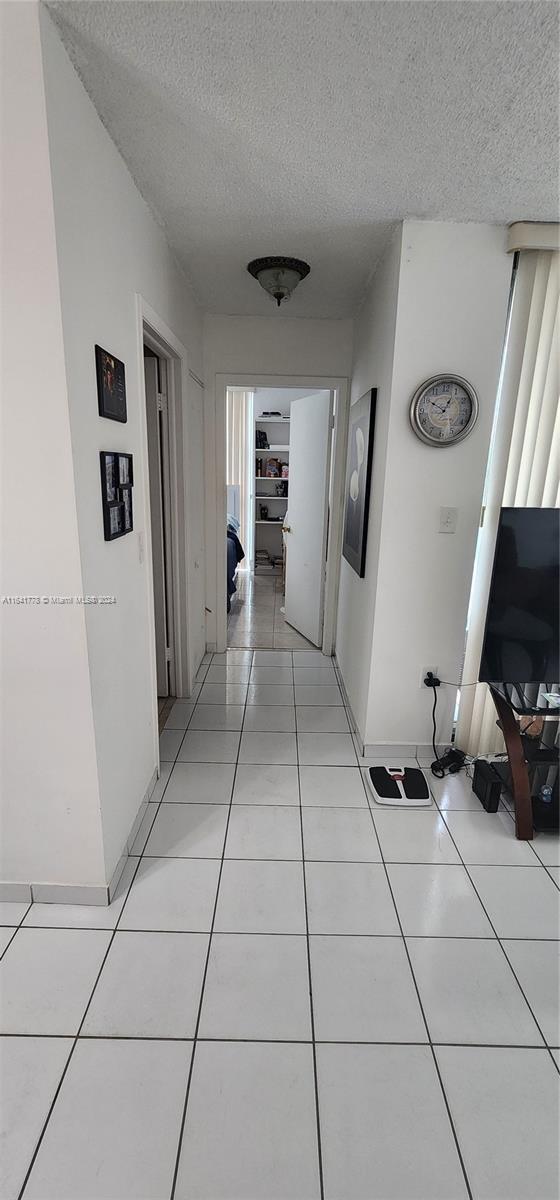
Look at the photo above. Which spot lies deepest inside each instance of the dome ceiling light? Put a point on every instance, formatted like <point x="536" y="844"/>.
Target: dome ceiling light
<point x="279" y="276"/>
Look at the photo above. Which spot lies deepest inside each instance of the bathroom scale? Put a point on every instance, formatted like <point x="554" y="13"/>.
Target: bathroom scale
<point x="406" y="787"/>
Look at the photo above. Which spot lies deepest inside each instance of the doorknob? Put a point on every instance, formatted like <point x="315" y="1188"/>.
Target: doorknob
<point x="286" y="529"/>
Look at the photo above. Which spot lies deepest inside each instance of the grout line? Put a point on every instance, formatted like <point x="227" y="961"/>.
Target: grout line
<point x="205" y="972"/>
<point x="135" y="1037"/>
<point x="310" y="981"/>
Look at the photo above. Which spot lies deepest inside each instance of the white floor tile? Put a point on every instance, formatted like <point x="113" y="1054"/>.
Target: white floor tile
<point x="200" y="783"/>
<point x="261" y="1141"/>
<point x="470" y="994"/>
<point x="180" y="714"/>
<point x="274" y="675"/>
<point x="169" y="742"/>
<point x="115" y="1126"/>
<point x="85" y="916"/>
<point x="6" y="935"/>
<point x="172" y="894"/>
<point x="46" y="979"/>
<point x="554" y="873"/>
<point x="555" y="1055"/>
<point x="31" y="1070"/>
<point x="318" y="694"/>
<point x="414" y="835"/>
<point x="314" y="675"/>
<point x="339" y="835"/>
<point x="256" y="987"/>
<point x="454" y="792"/>
<point x="483" y="837"/>
<point x="188" y="831"/>
<point x="437" y="901"/>
<point x="332" y="787"/>
<point x="209" y="746"/>
<point x="311" y="658"/>
<point x="269" y="718"/>
<point x="504" y="1105"/>
<point x="520" y="901"/>
<point x="223" y="693"/>
<point x="149" y="987"/>
<point x="265" y="831"/>
<point x="385" y="1134"/>
<point x="274" y="748"/>
<point x="326" y="749"/>
<point x="266" y="785"/>
<point x="363" y="991"/>
<point x="233" y="656"/>
<point x="349" y="898"/>
<point x="547" y="848"/>
<point x="261" y="897"/>
<point x="270" y="693"/>
<point x="272" y="658"/>
<point x="228" y="673"/>
<point x="319" y="718"/>
<point x="537" y="966"/>
<point x="12" y="912"/>
<point x="218" y="716"/>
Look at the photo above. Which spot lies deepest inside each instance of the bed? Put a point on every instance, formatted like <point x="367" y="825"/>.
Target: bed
<point x="235" y="554"/>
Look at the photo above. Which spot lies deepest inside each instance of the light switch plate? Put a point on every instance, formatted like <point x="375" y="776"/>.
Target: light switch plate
<point x="448" y="520"/>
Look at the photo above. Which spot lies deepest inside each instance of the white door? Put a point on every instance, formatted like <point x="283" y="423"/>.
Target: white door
<point x="156" y="514"/>
<point x="306" y="518"/>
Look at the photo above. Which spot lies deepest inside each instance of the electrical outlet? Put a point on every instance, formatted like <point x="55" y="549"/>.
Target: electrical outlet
<point x="425" y="670"/>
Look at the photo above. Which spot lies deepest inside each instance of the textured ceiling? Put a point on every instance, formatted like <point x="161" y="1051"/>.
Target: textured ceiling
<point x="310" y="128"/>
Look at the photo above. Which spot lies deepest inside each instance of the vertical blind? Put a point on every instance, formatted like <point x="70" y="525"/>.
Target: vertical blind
<point x="524" y="463"/>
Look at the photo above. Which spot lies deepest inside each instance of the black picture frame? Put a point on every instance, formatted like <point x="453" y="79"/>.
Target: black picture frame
<point x="111" y="385"/>
<point x="357" y="486"/>
<point x="116" y="498"/>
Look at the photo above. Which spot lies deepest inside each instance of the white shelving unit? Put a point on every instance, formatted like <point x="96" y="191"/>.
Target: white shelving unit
<point x="268" y="533"/>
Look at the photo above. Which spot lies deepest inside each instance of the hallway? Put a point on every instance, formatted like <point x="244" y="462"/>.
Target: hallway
<point x="291" y="996"/>
<point x="256" y="618"/>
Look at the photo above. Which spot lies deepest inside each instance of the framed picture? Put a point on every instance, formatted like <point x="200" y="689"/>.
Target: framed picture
<point x="116" y="493"/>
<point x="358" y="480"/>
<point x="111" y="388"/>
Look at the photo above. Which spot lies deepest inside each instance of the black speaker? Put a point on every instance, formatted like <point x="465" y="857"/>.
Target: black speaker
<point x="487" y="785"/>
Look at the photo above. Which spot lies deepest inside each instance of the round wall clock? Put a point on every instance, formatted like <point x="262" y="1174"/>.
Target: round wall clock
<point x="443" y="410"/>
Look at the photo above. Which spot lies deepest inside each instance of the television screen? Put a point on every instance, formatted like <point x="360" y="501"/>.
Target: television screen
<point x="521" y="635"/>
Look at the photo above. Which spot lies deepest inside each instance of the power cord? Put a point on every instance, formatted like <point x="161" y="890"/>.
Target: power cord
<point x="436" y="768"/>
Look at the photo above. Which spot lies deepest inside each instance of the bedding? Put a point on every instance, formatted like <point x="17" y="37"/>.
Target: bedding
<point x="235" y="554"/>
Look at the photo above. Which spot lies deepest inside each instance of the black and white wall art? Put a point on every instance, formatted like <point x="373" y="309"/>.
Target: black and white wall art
<point x="358" y="480"/>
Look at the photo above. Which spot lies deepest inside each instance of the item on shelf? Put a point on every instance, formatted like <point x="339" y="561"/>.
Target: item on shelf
<point x="281" y="488"/>
<point x="271" y="413"/>
<point x="261" y="439"/>
<point x="285" y="471"/>
<point x="272" y="470"/>
<point x="263" y="509"/>
<point x="259" y="468"/>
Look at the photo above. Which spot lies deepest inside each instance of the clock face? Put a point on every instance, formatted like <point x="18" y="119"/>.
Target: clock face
<point x="443" y="410"/>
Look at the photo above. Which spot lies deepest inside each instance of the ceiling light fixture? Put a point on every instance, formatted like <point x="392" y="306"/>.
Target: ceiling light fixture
<point x="279" y="276"/>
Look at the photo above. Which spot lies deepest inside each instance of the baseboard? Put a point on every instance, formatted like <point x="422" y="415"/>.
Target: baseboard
<point x="70" y="893"/>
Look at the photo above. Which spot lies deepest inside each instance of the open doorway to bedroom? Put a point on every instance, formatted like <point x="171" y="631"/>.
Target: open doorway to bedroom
<point x="279" y="463"/>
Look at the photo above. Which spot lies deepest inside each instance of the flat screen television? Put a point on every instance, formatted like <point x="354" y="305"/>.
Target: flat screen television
<point x="521" y="635"/>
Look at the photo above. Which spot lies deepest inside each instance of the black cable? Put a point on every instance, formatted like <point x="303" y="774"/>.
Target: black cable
<point x="436" y="770"/>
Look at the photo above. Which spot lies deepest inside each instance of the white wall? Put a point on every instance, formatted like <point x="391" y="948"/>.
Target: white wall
<point x="260" y="346"/>
<point x="373" y="367"/>
<point x="50" y="820"/>
<point x="110" y="249"/>
<point x="451" y="308"/>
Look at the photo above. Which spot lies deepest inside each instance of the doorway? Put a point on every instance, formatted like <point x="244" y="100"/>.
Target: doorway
<point x="157" y="428"/>
<point x="280" y="477"/>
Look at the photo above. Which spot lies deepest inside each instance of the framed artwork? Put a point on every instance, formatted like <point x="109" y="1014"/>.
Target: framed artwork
<point x="111" y="387"/>
<point x="116" y="493"/>
<point x="358" y="480"/>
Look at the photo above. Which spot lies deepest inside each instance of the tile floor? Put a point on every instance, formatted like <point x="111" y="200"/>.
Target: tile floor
<point x="256" y="617"/>
<point x="291" y="996"/>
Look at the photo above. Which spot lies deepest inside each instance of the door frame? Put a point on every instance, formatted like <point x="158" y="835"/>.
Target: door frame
<point x="152" y="331"/>
<point x="216" y="468"/>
